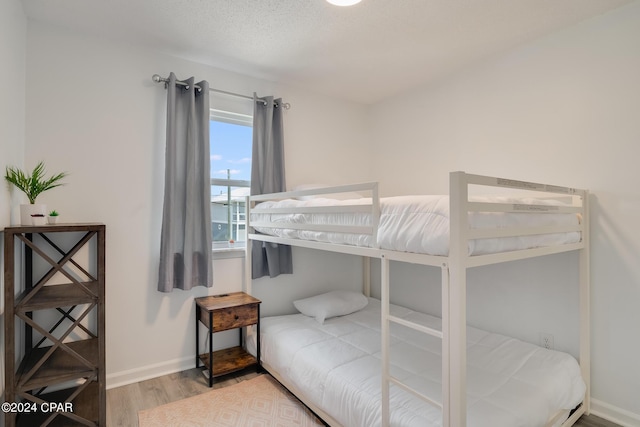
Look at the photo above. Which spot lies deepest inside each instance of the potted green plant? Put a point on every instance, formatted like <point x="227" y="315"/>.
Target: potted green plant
<point x="32" y="185"/>
<point x="53" y="217"/>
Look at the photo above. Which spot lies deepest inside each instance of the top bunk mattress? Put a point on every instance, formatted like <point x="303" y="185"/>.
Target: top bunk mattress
<point x="418" y="224"/>
<point x="337" y="365"/>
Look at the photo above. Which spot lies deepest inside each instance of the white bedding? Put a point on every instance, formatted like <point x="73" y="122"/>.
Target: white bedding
<point x="418" y="224"/>
<point x="337" y="367"/>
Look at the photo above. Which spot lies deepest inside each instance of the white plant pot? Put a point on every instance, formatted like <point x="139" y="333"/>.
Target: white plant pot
<point x="38" y="220"/>
<point x="52" y="219"/>
<point x="27" y="210"/>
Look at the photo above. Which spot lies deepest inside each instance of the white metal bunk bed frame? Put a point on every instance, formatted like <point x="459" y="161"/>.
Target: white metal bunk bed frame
<point x="454" y="273"/>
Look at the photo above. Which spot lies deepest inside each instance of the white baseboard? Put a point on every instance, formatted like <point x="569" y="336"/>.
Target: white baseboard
<point x="131" y="376"/>
<point x="614" y="414"/>
<point x="224" y="339"/>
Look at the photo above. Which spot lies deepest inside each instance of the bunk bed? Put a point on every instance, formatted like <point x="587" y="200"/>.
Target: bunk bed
<point x="555" y="219"/>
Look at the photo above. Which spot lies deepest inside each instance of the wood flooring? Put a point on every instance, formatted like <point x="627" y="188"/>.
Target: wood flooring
<point x="123" y="403"/>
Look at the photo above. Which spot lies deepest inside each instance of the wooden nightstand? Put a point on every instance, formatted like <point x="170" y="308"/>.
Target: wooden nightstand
<point x="221" y="313"/>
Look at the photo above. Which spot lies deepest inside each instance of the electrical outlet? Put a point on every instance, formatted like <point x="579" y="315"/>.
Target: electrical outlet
<point x="546" y="341"/>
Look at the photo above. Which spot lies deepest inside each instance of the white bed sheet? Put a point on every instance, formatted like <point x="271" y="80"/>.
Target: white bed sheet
<point x="337" y="366"/>
<point x="419" y="224"/>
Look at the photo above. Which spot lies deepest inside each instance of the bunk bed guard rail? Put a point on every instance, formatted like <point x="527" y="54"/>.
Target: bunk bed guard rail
<point x="371" y="207"/>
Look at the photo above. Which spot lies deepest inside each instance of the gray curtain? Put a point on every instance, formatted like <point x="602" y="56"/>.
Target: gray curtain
<point x="185" y="249"/>
<point x="267" y="176"/>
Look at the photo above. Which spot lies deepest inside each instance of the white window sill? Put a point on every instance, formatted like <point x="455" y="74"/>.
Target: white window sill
<point x="222" y="250"/>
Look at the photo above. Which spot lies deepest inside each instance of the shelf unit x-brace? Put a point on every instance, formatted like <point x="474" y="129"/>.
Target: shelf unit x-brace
<point x="57" y="344"/>
<point x="56" y="266"/>
<point x="66" y="315"/>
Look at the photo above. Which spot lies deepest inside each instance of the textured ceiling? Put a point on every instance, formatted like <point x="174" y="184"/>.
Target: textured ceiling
<point x="363" y="53"/>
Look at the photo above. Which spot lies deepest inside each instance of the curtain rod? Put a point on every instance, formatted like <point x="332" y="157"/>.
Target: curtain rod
<point x="158" y="79"/>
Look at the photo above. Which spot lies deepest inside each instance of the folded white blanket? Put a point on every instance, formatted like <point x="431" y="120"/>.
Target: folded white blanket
<point x="419" y="224"/>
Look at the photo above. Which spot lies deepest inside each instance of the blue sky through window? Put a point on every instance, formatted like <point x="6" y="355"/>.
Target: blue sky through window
<point x="231" y="146"/>
<point x="230" y="149"/>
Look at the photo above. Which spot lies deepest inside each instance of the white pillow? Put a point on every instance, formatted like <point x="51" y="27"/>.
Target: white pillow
<point x="331" y="304"/>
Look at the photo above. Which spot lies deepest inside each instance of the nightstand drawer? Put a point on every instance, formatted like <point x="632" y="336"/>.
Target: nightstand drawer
<point x="231" y="318"/>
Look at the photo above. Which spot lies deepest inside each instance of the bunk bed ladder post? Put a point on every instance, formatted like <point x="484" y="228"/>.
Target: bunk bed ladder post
<point x="446" y="419"/>
<point x="457" y="319"/>
<point x="247" y="250"/>
<point x="375" y="224"/>
<point x="248" y="281"/>
<point x="375" y="215"/>
<point x="585" y="303"/>
<point x="385" y="329"/>
<point x="366" y="276"/>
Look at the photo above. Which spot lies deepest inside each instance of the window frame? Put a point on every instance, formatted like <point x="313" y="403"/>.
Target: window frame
<point x="223" y="249"/>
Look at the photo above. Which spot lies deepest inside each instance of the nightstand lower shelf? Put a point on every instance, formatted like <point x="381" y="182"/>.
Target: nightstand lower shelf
<point x="229" y="360"/>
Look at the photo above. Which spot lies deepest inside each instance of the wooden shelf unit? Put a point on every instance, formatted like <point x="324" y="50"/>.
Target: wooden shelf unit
<point x="63" y="361"/>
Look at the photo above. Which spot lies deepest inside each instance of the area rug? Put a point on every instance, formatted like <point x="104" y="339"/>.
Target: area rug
<point x="258" y="402"/>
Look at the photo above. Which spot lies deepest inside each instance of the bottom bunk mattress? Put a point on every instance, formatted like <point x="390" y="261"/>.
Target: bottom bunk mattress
<point x="336" y="365"/>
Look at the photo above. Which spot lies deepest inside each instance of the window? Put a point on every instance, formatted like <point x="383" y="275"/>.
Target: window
<point x="231" y="142"/>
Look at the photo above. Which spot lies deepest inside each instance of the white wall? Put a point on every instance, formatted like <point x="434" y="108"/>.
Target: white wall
<point x="92" y="110"/>
<point x="562" y="110"/>
<point x="13" y="40"/>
